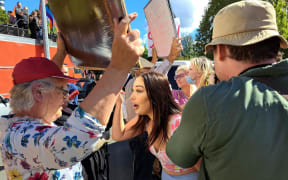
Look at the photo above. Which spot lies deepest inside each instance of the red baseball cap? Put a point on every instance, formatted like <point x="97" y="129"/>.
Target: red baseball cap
<point x="35" y="68"/>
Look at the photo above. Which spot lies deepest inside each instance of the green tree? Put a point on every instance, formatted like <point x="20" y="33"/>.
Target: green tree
<point x="145" y="54"/>
<point x="4" y="17"/>
<point x="204" y="33"/>
<point x="282" y="19"/>
<point x="188" y="43"/>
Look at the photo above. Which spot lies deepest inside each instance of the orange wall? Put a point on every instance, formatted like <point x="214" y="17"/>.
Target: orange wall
<point x="11" y="53"/>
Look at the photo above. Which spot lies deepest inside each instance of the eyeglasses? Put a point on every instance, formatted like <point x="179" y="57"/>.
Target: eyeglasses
<point x="64" y="91"/>
<point x="179" y="76"/>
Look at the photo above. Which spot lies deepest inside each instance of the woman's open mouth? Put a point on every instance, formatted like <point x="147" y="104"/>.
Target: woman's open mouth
<point x="135" y="106"/>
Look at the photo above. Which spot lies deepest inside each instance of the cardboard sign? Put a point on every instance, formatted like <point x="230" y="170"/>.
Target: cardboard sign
<point x="150" y="43"/>
<point x="161" y="25"/>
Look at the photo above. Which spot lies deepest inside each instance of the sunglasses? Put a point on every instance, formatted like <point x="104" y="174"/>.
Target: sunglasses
<point x="179" y="76"/>
<point x="65" y="92"/>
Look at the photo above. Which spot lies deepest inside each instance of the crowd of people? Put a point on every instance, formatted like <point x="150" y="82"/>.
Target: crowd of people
<point x="227" y="121"/>
<point x="23" y="20"/>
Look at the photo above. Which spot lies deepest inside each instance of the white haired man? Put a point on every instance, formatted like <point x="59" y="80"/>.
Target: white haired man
<point x="32" y="146"/>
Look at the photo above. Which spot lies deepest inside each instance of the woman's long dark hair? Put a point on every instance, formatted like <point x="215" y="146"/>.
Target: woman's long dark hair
<point x="163" y="105"/>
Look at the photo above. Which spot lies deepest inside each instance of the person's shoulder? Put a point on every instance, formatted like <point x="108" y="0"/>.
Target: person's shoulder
<point x="215" y="93"/>
<point x="225" y="86"/>
<point x="176" y="116"/>
<point x="175" y="92"/>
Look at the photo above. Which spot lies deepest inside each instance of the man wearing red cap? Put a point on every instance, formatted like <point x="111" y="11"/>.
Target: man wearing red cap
<point x="32" y="146"/>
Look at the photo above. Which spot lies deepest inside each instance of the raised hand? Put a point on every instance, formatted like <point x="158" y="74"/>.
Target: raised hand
<point x="120" y="98"/>
<point x="154" y="55"/>
<point x="176" y="48"/>
<point x="127" y="46"/>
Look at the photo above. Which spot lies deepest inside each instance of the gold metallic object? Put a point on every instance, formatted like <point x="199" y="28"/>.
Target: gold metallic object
<point x="87" y="28"/>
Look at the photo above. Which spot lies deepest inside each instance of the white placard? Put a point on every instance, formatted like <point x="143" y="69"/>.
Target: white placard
<point x="161" y="25"/>
<point x="150" y="43"/>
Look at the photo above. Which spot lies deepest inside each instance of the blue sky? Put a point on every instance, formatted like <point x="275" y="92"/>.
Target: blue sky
<point x="31" y="4"/>
<point x="189" y="11"/>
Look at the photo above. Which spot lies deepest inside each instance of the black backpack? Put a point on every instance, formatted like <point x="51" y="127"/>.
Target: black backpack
<point x="96" y="166"/>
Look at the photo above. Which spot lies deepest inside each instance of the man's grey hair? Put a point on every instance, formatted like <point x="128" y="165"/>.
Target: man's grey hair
<point x="21" y="99"/>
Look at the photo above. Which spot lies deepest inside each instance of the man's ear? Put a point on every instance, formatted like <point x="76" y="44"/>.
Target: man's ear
<point x="36" y="92"/>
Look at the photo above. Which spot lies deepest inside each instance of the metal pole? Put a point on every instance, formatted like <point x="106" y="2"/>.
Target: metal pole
<point x="45" y="30"/>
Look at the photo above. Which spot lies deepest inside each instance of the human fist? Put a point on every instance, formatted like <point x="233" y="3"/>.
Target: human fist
<point x="176" y="48"/>
<point x="127" y="46"/>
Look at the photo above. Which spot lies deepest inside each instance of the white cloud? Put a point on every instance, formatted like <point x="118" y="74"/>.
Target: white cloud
<point x="187" y="30"/>
<point x="190" y="13"/>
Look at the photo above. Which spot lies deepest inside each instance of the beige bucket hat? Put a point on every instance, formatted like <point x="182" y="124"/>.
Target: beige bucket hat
<point x="245" y="23"/>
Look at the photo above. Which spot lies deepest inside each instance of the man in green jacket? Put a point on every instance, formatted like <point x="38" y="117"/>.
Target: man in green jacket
<point x="239" y="127"/>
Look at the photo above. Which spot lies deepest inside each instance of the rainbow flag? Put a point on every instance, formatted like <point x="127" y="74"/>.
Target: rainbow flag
<point x="50" y="17"/>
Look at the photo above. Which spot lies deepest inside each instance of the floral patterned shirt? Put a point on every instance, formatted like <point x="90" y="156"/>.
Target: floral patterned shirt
<point x="32" y="150"/>
<point x="179" y="97"/>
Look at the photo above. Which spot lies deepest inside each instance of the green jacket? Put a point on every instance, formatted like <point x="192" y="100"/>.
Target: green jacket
<point x="239" y="127"/>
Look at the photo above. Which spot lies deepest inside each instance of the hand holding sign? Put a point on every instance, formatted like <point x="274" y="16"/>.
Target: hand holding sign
<point x="161" y="25"/>
<point x="127" y="46"/>
<point x="154" y="55"/>
<point x="150" y="44"/>
<point x="176" y="49"/>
